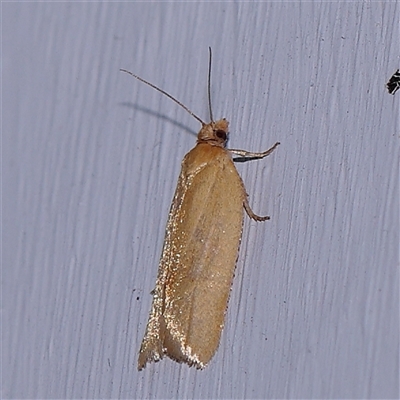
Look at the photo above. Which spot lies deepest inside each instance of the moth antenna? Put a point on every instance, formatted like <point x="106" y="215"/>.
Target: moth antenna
<point x="166" y="94"/>
<point x="209" y="85"/>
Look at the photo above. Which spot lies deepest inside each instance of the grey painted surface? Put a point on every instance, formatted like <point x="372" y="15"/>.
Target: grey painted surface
<point x="90" y="162"/>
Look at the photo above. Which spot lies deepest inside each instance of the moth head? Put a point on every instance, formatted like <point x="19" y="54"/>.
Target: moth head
<point x="215" y="133"/>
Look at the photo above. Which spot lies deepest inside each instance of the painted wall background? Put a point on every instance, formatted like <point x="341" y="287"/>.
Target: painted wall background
<point x="90" y="163"/>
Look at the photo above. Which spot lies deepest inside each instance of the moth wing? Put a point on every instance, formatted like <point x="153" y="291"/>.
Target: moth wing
<point x="202" y="250"/>
<point x="152" y="347"/>
<point x="198" y="260"/>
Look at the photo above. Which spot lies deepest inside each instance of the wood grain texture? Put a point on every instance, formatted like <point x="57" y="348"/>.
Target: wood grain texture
<point x="90" y="166"/>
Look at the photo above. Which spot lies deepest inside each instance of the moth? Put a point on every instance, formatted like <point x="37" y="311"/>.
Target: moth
<point x="200" y="249"/>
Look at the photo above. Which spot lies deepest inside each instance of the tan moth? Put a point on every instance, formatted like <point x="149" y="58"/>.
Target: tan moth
<point x="200" y="249"/>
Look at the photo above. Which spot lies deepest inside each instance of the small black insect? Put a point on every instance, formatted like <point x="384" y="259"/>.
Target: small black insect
<point x="393" y="84"/>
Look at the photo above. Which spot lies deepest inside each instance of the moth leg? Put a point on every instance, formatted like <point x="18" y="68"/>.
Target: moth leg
<point x="250" y="212"/>
<point x="248" y="155"/>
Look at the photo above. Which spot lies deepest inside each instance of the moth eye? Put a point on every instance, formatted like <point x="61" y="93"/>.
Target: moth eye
<point x="220" y="134"/>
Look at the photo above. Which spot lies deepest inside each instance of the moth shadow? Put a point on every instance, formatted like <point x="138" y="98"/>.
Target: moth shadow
<point x="161" y="116"/>
<point x="245" y="159"/>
